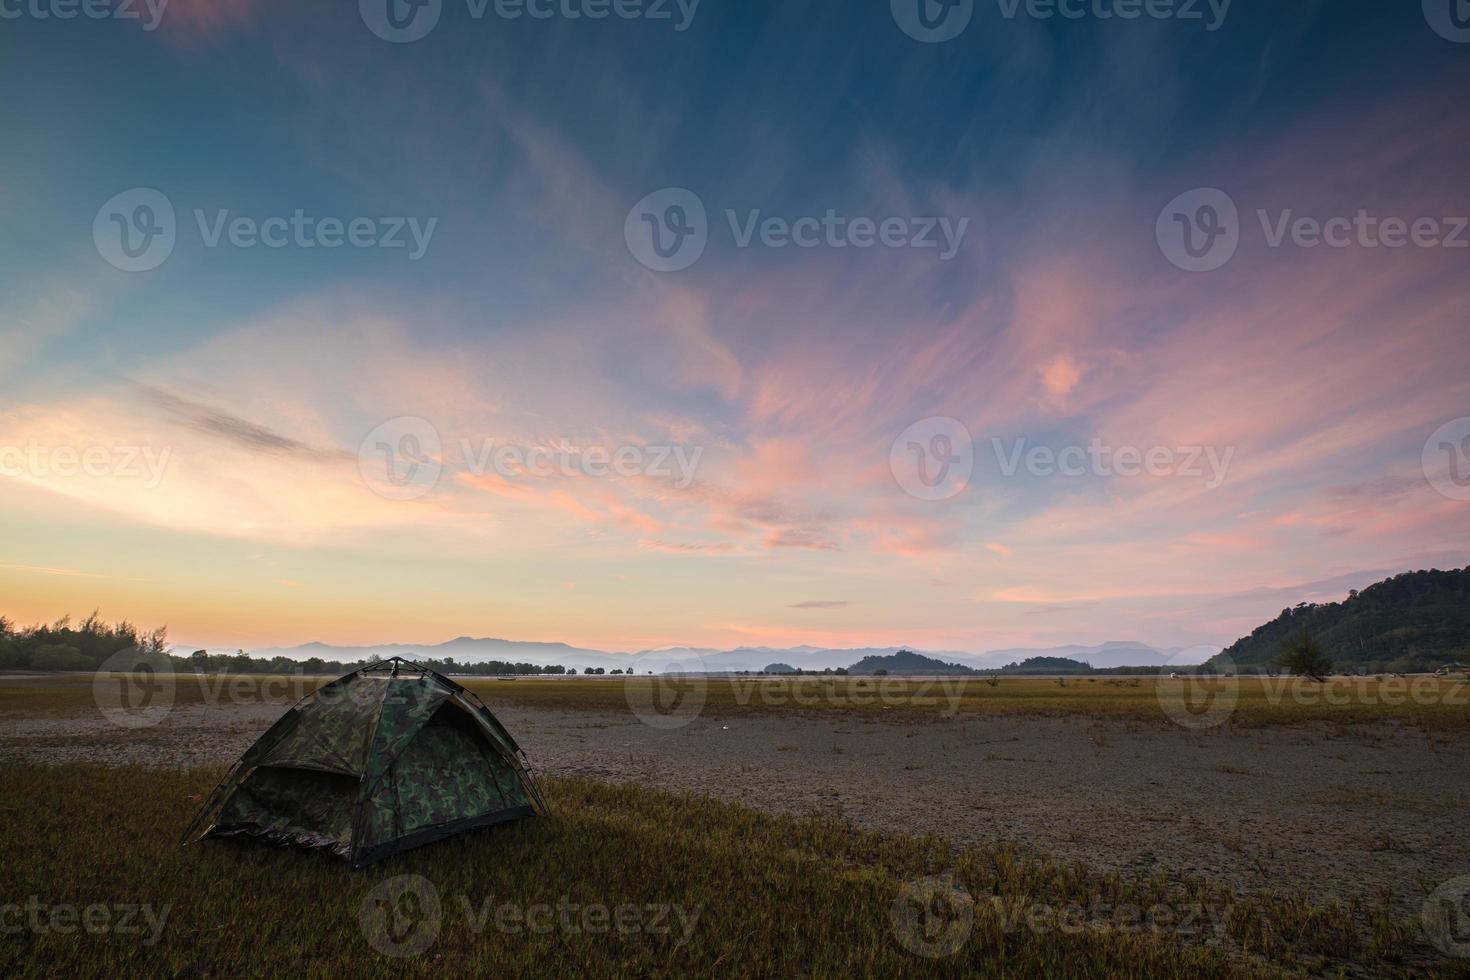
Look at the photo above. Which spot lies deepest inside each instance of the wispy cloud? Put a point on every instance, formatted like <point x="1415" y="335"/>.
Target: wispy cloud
<point x="65" y="572"/>
<point x="231" y="428"/>
<point x="793" y="371"/>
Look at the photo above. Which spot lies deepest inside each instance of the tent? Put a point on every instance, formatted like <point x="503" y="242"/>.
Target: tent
<point x="386" y="758"/>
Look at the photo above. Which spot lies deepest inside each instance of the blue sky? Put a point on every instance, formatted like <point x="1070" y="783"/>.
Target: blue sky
<point x="528" y="322"/>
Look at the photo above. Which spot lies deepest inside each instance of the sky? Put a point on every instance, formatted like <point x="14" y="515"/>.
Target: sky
<point x="729" y="323"/>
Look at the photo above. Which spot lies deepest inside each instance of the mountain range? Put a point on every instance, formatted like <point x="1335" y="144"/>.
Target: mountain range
<point x="466" y="649"/>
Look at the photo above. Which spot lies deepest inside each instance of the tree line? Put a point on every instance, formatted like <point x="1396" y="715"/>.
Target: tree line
<point x="64" y="645"/>
<point x="87" y="645"/>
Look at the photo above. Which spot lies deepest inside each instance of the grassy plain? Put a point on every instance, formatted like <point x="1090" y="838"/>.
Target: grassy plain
<point x="1430" y="703"/>
<point x="767" y="896"/>
<point x="743" y="892"/>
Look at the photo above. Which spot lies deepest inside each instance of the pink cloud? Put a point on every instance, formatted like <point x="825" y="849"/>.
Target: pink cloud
<point x="686" y="547"/>
<point x="800" y="537"/>
<point x="1059" y="377"/>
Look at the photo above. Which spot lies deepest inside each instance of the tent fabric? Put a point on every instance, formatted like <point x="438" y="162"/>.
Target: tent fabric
<point x="386" y="758"/>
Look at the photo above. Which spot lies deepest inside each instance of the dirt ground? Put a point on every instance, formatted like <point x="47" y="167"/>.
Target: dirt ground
<point x="1340" y="813"/>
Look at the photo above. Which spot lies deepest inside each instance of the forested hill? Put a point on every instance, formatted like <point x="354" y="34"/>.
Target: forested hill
<point x="906" y="662"/>
<point x="1412" y="622"/>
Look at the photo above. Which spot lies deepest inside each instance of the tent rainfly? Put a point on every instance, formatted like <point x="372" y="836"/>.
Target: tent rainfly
<point x="386" y="758"/>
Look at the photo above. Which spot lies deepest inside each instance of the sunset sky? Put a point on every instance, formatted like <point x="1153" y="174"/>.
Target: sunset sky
<point x="229" y="397"/>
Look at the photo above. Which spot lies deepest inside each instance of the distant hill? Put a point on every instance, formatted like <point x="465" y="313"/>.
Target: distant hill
<point x="779" y="669"/>
<point x="1110" y="655"/>
<point x="1047" y="665"/>
<point x="691" y="659"/>
<point x="906" y="662"/>
<point x="1412" y="622"/>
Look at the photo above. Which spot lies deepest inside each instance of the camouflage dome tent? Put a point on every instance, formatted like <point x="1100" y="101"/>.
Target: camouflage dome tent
<point x="384" y="759"/>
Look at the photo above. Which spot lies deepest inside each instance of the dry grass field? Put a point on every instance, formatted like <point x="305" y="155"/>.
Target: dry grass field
<point x="634" y="880"/>
<point x="1432" y="704"/>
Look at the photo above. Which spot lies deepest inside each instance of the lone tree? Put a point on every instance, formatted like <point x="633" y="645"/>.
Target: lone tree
<point x="1305" y="657"/>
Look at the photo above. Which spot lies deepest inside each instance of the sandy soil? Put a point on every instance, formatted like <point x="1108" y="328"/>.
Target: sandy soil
<point x="1286" y="808"/>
